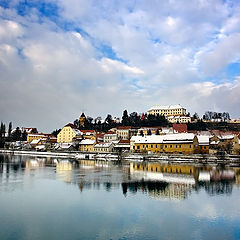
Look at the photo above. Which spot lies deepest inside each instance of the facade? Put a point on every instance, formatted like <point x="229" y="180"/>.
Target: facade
<point x="123" y="132"/>
<point x="110" y="137"/>
<point x="88" y="134"/>
<point x="203" y="143"/>
<point x="179" y="119"/>
<point x="185" y="143"/>
<point x="103" y="147"/>
<point x="87" y="145"/>
<point x="172" y="110"/>
<point x="42" y="136"/>
<point x="67" y="134"/>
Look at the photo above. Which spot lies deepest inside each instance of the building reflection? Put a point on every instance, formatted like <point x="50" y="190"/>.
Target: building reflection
<point x="157" y="180"/>
<point x="176" y="181"/>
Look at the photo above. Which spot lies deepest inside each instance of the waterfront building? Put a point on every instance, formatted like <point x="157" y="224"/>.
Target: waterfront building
<point x="122" y="145"/>
<point x="42" y="136"/>
<point x="203" y="143"/>
<point x="186" y="143"/>
<point x="87" y="145"/>
<point x="67" y="133"/>
<point x="171" y="110"/>
<point x="103" y="147"/>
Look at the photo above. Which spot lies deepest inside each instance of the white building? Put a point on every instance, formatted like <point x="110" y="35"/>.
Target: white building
<point x="110" y="137"/>
<point x="179" y="119"/>
<point x="103" y="147"/>
<point x="171" y="110"/>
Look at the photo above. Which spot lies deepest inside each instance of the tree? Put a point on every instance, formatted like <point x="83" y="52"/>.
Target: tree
<point x="149" y="132"/>
<point x="16" y="135"/>
<point x="109" y="119"/>
<point x="125" y="119"/>
<point x="195" y="116"/>
<point x="24" y="136"/>
<point x="56" y="132"/>
<point x="2" y="130"/>
<point x="10" y="130"/>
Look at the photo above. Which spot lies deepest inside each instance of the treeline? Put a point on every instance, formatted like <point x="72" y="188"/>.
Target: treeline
<point x="200" y="125"/>
<point x="133" y="119"/>
<point x="9" y="135"/>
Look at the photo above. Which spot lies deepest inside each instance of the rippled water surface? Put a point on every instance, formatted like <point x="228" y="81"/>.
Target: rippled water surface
<point x="50" y="198"/>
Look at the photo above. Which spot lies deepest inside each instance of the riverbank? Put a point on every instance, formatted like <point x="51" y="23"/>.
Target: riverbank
<point x="193" y="158"/>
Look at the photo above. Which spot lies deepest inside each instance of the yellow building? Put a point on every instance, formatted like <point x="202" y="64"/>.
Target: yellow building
<point x="185" y="143"/>
<point x="87" y="145"/>
<point x="67" y="133"/>
<point x="172" y="110"/>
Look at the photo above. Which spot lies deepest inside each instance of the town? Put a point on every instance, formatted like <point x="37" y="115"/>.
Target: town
<point x="162" y="130"/>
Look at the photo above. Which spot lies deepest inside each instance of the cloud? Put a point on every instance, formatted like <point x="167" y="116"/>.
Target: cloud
<point x="62" y="58"/>
<point x="222" y="54"/>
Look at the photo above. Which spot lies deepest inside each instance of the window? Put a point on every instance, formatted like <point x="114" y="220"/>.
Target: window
<point x="180" y="146"/>
<point x="170" y="146"/>
<point x="176" y="146"/>
<point x="151" y="146"/>
<point x="138" y="147"/>
<point x="190" y="146"/>
<point x="156" y="145"/>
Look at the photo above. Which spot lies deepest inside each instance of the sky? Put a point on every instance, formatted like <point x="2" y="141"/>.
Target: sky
<point x="59" y="58"/>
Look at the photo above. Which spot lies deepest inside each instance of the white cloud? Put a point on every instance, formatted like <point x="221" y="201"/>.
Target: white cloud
<point x="166" y="48"/>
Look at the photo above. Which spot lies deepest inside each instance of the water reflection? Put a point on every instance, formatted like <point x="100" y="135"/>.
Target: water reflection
<point x="157" y="180"/>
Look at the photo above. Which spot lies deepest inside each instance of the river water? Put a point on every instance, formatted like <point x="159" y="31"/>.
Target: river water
<point x="50" y="198"/>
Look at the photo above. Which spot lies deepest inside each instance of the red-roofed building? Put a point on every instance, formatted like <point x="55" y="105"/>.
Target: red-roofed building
<point x="179" y="128"/>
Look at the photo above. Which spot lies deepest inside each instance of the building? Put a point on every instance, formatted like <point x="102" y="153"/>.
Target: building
<point x="122" y="145"/>
<point x="88" y="134"/>
<point x="179" y="119"/>
<point x="110" y="137"/>
<point x="171" y="110"/>
<point x="203" y="143"/>
<point x="180" y="128"/>
<point x="82" y="119"/>
<point x="186" y="143"/>
<point x="126" y="132"/>
<point x="67" y="133"/>
<point x="123" y="132"/>
<point x="103" y="147"/>
<point x="87" y="145"/>
<point x="41" y="136"/>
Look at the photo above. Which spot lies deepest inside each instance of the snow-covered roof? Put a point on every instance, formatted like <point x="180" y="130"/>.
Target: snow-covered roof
<point x="103" y="145"/>
<point x="203" y="139"/>
<point x="177" y="117"/>
<point x="166" y="107"/>
<point x="173" y="138"/>
<point x="226" y="137"/>
<point x="35" y="141"/>
<point x="214" y="142"/>
<point x="87" y="142"/>
<point x="76" y="131"/>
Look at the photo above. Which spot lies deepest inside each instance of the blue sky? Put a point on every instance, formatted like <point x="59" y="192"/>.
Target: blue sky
<point x="59" y="57"/>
